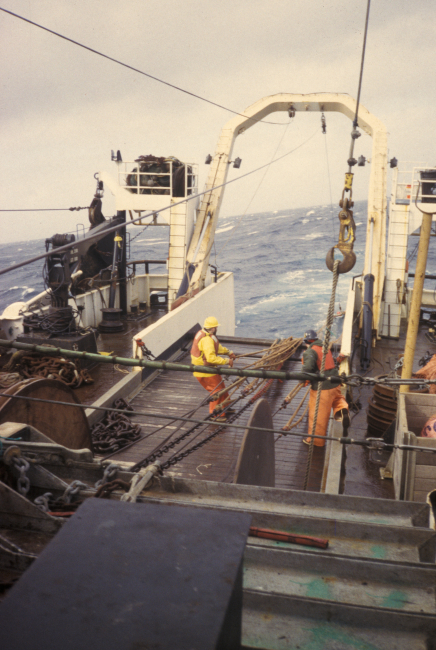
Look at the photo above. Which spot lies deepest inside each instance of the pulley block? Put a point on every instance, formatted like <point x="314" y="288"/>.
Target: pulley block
<point x="346" y="241"/>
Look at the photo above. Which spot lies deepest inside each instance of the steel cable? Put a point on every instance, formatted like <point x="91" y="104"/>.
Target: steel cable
<point x="324" y="355"/>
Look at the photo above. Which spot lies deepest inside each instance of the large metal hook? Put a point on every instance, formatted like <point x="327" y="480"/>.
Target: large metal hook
<point x="347" y="238"/>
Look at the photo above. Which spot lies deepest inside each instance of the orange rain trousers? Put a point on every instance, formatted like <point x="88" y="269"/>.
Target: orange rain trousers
<point x="213" y="384"/>
<point x="329" y="399"/>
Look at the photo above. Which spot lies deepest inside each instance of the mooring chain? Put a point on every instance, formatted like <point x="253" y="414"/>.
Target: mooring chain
<point x="109" y="474"/>
<point x="232" y="418"/>
<point x="325" y="349"/>
<point x="47" y="503"/>
<point x="69" y="372"/>
<point x="198" y="445"/>
<point x="22" y="466"/>
<point x="160" y="452"/>
<point x="115" y="431"/>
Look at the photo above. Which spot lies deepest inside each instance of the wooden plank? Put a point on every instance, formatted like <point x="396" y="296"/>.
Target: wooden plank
<point x="425" y="472"/>
<point x="423" y="458"/>
<point x="424" y="485"/>
<point x="415" y="401"/>
<point x="420" y="497"/>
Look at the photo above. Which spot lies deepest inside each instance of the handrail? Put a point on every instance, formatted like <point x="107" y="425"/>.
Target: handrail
<point x="145" y="262"/>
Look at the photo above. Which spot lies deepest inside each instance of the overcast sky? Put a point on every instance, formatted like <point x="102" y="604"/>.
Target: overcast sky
<point x="64" y="108"/>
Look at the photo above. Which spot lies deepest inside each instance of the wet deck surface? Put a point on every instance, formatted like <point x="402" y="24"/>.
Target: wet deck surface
<point x="107" y="375"/>
<point x="181" y="394"/>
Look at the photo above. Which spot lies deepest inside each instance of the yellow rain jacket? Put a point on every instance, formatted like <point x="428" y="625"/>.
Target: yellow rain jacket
<point x="205" y="350"/>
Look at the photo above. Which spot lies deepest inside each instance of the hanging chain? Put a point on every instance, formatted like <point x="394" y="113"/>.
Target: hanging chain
<point x="23" y="482"/>
<point x="232" y="418"/>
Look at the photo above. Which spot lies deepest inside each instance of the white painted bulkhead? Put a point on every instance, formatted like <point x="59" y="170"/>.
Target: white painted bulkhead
<point x="405" y="218"/>
<point x="215" y="300"/>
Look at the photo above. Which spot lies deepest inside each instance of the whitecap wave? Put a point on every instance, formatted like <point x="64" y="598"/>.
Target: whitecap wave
<point x="305" y="220"/>
<point x="224" y="229"/>
<point x="312" y="235"/>
<point x="294" y="275"/>
<point x="267" y="300"/>
<point x="310" y="212"/>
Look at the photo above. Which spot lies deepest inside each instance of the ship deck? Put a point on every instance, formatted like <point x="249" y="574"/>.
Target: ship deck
<point x="183" y="396"/>
<point x="105" y="376"/>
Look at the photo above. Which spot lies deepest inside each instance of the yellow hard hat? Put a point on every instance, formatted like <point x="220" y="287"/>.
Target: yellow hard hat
<point x="210" y="322"/>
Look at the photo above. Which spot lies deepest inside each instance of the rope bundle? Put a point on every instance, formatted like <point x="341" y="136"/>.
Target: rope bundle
<point x="273" y="359"/>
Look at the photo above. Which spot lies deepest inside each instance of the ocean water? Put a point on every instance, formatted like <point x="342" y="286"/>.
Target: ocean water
<point x="282" y="284"/>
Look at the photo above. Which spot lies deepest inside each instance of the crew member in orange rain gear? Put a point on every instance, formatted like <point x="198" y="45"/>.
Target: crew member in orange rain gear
<point x="204" y="352"/>
<point x="331" y="396"/>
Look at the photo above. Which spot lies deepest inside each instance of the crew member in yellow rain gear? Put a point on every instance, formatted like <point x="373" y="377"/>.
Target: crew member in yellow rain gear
<point x="204" y="352"/>
<point x="331" y="396"/>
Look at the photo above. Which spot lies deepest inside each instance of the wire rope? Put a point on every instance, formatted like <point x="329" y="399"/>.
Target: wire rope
<point x="254" y="194"/>
<point x="44" y="209"/>
<point x="349" y="441"/>
<point x="130" y="67"/>
<point x="324" y="356"/>
<point x="92" y="237"/>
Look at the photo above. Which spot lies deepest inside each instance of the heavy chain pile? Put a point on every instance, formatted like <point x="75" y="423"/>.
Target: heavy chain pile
<point x="115" y="431"/>
<point x="67" y="371"/>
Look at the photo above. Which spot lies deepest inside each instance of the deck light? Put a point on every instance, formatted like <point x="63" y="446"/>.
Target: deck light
<point x="208" y="159"/>
<point x="237" y="163"/>
<point x="361" y="161"/>
<point x="393" y="163"/>
<point x="291" y="111"/>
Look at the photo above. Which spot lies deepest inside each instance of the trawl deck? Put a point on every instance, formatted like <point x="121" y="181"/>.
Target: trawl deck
<point x="180" y="394"/>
